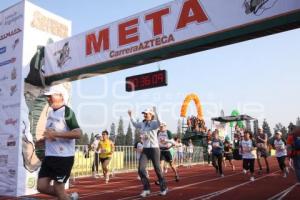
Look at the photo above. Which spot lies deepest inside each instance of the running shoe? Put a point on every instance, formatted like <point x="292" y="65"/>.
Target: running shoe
<point x="268" y="170"/>
<point x="145" y="193"/>
<point x="222" y="175"/>
<point x="252" y="178"/>
<point x="176" y="178"/>
<point x="259" y="171"/>
<point x="244" y="171"/>
<point x="106" y="179"/>
<point x="156" y="182"/>
<point x="287" y="170"/>
<point x="164" y="192"/>
<point x="284" y="175"/>
<point x="74" y="196"/>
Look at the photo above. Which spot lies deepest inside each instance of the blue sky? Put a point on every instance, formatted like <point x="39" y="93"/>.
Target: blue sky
<point x="259" y="77"/>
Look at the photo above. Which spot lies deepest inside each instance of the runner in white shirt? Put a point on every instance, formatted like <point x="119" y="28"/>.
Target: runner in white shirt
<point x="95" y="166"/>
<point x="166" y="143"/>
<point x="61" y="131"/>
<point x="248" y="150"/>
<point x="280" y="146"/>
<point x="180" y="149"/>
<point x="190" y="152"/>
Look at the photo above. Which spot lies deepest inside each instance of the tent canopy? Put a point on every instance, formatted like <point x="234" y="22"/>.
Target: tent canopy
<point x="233" y="118"/>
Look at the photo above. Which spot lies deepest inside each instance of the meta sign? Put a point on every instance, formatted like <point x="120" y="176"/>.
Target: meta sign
<point x="145" y="81"/>
<point x="173" y="29"/>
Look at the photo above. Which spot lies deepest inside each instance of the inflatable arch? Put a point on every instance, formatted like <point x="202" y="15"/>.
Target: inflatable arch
<point x="186" y="102"/>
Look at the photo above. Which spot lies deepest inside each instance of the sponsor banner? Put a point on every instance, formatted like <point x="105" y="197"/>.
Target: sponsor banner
<point x="19" y="24"/>
<point x="170" y="24"/>
<point x="46" y="28"/>
<point x="2" y="50"/>
<point x="11" y="35"/>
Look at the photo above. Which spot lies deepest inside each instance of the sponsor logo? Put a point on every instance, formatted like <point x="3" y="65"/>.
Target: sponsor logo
<point x="16" y="42"/>
<point x="3" y="160"/>
<point x="13" y="90"/>
<point x="2" y="50"/>
<point x="63" y="55"/>
<point x="49" y="25"/>
<point x="6" y="62"/>
<point x="11" y="33"/>
<point x="13" y="74"/>
<point x="11" y="121"/>
<point x="31" y="182"/>
<point x="258" y="7"/>
<point x="16" y="105"/>
<point x="11" y="173"/>
<point x="12" y="18"/>
<point x="3" y="78"/>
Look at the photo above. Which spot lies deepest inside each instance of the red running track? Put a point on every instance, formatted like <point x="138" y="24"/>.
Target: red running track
<point x="198" y="182"/>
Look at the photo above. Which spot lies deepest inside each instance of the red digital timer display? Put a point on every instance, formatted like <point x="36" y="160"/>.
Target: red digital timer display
<point x="145" y="81"/>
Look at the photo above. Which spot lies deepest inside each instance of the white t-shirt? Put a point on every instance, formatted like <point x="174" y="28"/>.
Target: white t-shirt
<point x="180" y="147"/>
<point x="247" y="151"/>
<point x="61" y="120"/>
<point x="95" y="145"/>
<point x="190" y="148"/>
<point x="280" y="148"/>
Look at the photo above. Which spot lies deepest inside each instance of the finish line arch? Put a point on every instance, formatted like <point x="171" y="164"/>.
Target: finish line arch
<point x="177" y="28"/>
<point x="192" y="97"/>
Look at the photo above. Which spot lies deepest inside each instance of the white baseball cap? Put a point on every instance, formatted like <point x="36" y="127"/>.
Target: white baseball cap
<point x="163" y="124"/>
<point x="148" y="110"/>
<point x="58" y="89"/>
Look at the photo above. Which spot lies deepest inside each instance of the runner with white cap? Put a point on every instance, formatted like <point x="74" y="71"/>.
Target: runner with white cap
<point x="166" y="143"/>
<point x="150" y="151"/>
<point x="61" y="131"/>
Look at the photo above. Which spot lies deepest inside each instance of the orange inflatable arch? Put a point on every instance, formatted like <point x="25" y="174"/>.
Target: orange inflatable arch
<point x="186" y="102"/>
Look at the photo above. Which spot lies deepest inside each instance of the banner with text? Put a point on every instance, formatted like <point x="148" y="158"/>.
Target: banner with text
<point x="170" y="24"/>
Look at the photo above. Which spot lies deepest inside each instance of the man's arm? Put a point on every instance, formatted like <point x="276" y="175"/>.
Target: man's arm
<point x="73" y="134"/>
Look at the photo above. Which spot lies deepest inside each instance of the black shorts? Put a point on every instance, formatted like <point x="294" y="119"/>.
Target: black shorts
<point x="56" y="168"/>
<point x="262" y="152"/>
<point x="228" y="156"/>
<point x="102" y="160"/>
<point x="166" y="156"/>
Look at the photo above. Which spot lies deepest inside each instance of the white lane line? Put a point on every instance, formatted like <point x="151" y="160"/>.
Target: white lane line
<point x="180" y="187"/>
<point x="217" y="193"/>
<point x="130" y="187"/>
<point x="283" y="193"/>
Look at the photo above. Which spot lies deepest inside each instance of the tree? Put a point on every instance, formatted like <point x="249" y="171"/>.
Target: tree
<point x="248" y="125"/>
<point x="112" y="135"/>
<point x="255" y="127"/>
<point x="266" y="128"/>
<point x="298" y="121"/>
<point x="84" y="139"/>
<point x="128" y="139"/>
<point x="137" y="133"/>
<point x="282" y="129"/>
<point x="291" y="125"/>
<point x="120" y="138"/>
<point x="179" y="127"/>
<point x="92" y="139"/>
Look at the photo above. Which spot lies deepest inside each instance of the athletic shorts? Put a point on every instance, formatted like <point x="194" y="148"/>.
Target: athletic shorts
<point x="166" y="156"/>
<point x="56" y="168"/>
<point x="228" y="156"/>
<point x="262" y="152"/>
<point x="102" y="160"/>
